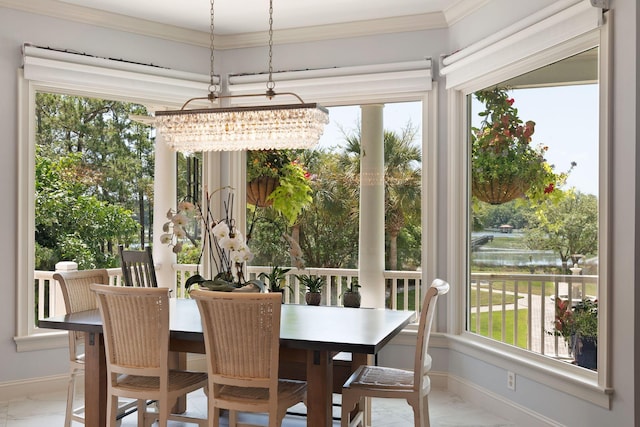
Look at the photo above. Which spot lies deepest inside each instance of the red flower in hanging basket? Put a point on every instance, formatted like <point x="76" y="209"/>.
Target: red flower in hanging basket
<point x="504" y="164"/>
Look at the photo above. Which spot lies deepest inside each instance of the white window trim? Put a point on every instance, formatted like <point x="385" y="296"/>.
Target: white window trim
<point x="62" y="72"/>
<point x="379" y="83"/>
<point x="481" y="67"/>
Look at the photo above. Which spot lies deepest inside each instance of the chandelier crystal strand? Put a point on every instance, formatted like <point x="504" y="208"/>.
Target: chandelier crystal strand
<point x="288" y="126"/>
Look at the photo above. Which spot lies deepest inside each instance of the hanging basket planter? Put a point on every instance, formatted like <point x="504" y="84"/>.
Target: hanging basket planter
<point x="505" y="165"/>
<point x="259" y="189"/>
<point x="497" y="192"/>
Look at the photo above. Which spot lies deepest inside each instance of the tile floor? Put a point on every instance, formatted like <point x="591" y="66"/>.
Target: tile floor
<point x="446" y="410"/>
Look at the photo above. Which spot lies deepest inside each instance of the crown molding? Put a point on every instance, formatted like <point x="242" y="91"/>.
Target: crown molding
<point x="462" y="9"/>
<point x="61" y="10"/>
<point x="85" y="15"/>
<point x="398" y="24"/>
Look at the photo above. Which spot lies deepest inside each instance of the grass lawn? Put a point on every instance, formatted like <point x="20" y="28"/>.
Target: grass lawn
<point x="497" y="326"/>
<point x="484" y="299"/>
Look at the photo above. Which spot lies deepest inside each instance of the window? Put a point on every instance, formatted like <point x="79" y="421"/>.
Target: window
<point x="533" y="238"/>
<point x="532" y="61"/>
<point x="48" y="71"/>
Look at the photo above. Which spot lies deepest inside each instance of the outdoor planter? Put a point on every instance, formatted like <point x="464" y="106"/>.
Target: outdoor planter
<point x="505" y="165"/>
<point x="259" y="189"/>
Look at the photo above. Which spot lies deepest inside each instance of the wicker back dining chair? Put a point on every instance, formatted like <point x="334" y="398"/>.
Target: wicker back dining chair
<point x="377" y="381"/>
<point x="136" y="338"/>
<point x="78" y="297"/>
<point x="137" y="268"/>
<point x="242" y="342"/>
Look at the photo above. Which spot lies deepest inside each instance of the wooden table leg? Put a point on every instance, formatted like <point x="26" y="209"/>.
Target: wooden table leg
<point x="95" y="380"/>
<point x="319" y="388"/>
<point x="178" y="360"/>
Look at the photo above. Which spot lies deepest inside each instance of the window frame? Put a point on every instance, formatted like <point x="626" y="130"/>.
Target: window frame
<point x="591" y="386"/>
<point x="79" y="75"/>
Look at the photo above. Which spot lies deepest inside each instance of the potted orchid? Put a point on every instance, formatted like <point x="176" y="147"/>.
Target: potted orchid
<point x="221" y="241"/>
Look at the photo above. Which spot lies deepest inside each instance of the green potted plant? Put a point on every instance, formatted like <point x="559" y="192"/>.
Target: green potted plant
<point x="504" y="163"/>
<point x="578" y="325"/>
<point x="277" y="179"/>
<point x="314" y="285"/>
<point x="275" y="279"/>
<point x="351" y="297"/>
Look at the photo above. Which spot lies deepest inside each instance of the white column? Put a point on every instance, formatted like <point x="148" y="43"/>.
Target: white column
<point x="164" y="189"/>
<point x="371" y="252"/>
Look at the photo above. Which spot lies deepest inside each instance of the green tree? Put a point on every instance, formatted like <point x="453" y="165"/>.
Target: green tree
<point x="514" y="213"/>
<point x="567" y="227"/>
<point x="402" y="172"/>
<point x="117" y="153"/>
<point x="329" y="226"/>
<point x="70" y="224"/>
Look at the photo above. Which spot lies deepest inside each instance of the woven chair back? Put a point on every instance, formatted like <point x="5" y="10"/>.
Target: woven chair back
<point x="242" y="336"/>
<point x="136" y="329"/>
<point x="78" y="296"/>
<point x="137" y="268"/>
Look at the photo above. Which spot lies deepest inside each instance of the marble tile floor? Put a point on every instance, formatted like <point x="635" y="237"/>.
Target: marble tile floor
<point x="446" y="410"/>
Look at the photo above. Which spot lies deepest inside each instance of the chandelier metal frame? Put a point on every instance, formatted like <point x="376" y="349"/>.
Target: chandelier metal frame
<point x="277" y="126"/>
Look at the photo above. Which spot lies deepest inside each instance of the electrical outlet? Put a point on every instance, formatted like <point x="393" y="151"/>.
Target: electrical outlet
<point x="511" y="380"/>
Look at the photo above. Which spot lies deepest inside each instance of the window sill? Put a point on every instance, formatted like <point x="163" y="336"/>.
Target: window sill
<point x="42" y="341"/>
<point x="555" y="374"/>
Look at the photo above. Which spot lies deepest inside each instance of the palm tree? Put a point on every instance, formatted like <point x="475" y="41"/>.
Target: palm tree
<point x="402" y="179"/>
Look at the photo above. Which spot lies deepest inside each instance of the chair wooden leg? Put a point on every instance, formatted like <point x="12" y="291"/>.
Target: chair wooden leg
<point x="142" y="413"/>
<point x="112" y="410"/>
<point x="233" y="418"/>
<point x="70" y="396"/>
<point x="420" y="408"/>
<point x="348" y="418"/>
<point x="214" y="416"/>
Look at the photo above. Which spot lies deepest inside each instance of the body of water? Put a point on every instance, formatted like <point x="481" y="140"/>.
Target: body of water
<point x="511" y="257"/>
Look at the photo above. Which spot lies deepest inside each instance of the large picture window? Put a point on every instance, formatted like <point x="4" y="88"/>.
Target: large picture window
<point x="533" y="238"/>
<point x="528" y="223"/>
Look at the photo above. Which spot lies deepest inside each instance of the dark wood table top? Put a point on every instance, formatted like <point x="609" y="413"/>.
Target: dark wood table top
<point x="357" y="330"/>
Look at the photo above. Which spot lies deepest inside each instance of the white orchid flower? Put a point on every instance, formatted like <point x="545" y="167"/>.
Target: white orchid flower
<point x="179" y="232"/>
<point x="221" y="230"/>
<point x="179" y="219"/>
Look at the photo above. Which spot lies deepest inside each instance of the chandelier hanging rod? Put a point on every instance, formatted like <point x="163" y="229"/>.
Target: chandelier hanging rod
<point x="213" y="96"/>
<point x="240" y="109"/>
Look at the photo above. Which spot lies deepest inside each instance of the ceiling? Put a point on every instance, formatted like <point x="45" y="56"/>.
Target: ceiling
<point x="181" y="19"/>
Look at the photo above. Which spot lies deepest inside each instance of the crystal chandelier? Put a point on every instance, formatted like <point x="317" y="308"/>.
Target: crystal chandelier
<point x="288" y="126"/>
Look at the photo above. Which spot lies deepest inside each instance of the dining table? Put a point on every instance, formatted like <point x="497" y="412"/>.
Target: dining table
<point x="310" y="338"/>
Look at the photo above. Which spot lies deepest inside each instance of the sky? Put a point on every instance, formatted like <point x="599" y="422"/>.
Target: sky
<point x="566" y="121"/>
<point x="395" y="116"/>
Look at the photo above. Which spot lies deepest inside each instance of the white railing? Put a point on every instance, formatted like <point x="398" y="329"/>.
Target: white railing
<point x="513" y="299"/>
<point x="520" y="307"/>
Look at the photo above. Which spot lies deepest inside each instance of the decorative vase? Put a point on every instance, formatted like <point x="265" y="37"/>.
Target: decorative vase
<point x="351" y="299"/>
<point x="313" y="298"/>
<point x="586" y="352"/>
<point x="259" y="189"/>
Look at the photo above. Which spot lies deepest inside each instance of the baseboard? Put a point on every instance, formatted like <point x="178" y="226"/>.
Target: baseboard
<point x="491" y="402"/>
<point x="17" y="389"/>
